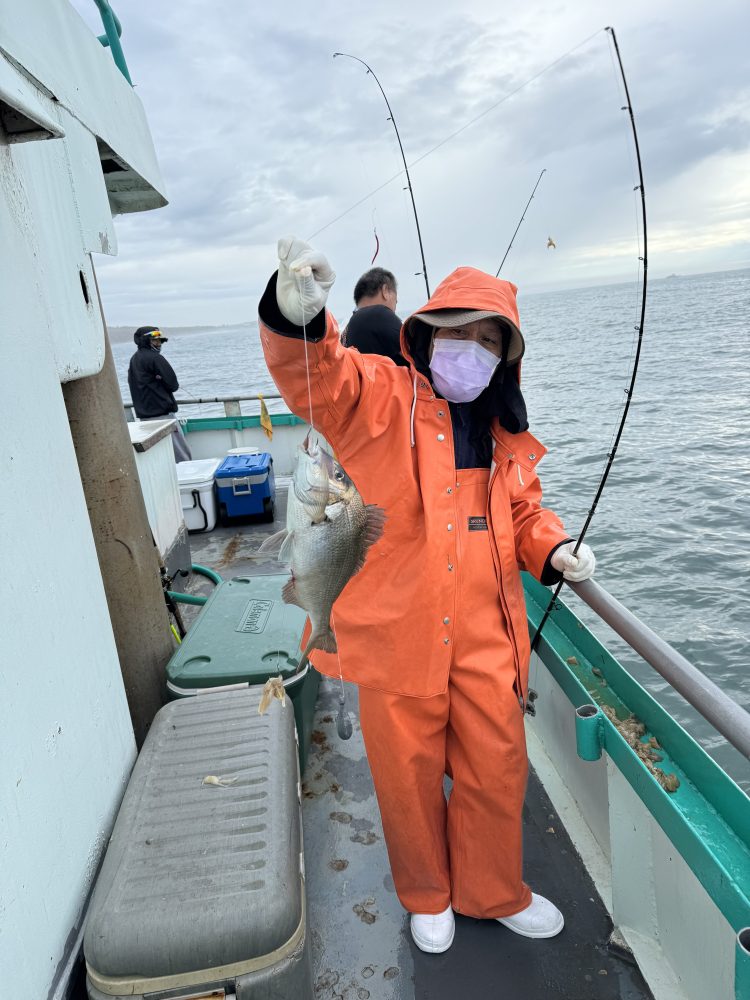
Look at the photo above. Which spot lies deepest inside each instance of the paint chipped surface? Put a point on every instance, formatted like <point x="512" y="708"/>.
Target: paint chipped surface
<point x="359" y="931"/>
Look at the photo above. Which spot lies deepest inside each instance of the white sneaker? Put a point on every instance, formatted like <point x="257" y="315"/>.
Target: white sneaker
<point x="433" y="932"/>
<point x="540" y="919"/>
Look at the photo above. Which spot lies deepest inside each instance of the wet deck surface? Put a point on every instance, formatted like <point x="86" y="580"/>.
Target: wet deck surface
<point x="361" y="946"/>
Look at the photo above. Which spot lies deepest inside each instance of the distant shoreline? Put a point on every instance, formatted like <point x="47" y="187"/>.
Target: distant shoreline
<point x="124" y="334"/>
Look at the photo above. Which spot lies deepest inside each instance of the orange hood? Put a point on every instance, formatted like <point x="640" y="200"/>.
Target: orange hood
<point x="470" y="289"/>
<point x="465" y="288"/>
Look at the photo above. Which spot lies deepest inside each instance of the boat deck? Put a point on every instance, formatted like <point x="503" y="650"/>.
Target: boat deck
<point x="361" y="946"/>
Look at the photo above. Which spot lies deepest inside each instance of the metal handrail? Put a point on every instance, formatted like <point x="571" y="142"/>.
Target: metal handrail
<point x="113" y="30"/>
<point x="725" y="715"/>
<point x="229" y="399"/>
<point x="194" y="400"/>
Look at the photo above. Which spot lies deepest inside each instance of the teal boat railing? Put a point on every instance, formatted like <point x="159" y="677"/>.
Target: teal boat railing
<point x="708" y="817"/>
<point x="111" y="38"/>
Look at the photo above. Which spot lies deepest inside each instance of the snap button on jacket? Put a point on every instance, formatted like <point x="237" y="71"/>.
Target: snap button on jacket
<point x="389" y="432"/>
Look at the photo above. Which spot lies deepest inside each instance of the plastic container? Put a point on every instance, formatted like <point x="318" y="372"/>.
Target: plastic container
<point x="245" y="486"/>
<point x="202" y="889"/>
<point x="196" y="482"/>
<point x="247" y="450"/>
<point x="243" y="635"/>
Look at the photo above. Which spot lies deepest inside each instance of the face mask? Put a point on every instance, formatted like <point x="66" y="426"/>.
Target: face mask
<point x="156" y="345"/>
<point x="461" y="369"/>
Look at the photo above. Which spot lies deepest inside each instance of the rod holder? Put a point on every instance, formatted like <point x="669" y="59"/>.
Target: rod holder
<point x="589" y="732"/>
<point x="742" y="965"/>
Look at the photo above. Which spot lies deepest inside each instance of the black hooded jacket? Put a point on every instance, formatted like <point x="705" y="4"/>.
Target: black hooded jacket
<point x="151" y="379"/>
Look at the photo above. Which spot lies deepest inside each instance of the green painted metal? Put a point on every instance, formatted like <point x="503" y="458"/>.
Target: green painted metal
<point x="195" y="424"/>
<point x="113" y="30"/>
<point x="589" y="732"/>
<point x="118" y="27"/>
<point x="708" y="817"/>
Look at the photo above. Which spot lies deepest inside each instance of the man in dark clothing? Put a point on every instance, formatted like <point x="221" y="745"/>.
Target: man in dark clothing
<point x="153" y="383"/>
<point x="374" y="327"/>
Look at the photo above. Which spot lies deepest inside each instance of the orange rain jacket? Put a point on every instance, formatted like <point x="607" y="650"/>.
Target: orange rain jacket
<point x="392" y="434"/>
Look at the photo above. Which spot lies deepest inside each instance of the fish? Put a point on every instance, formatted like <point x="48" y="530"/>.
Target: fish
<point x="328" y="534"/>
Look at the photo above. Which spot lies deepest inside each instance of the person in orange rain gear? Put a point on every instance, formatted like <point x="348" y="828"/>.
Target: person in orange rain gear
<point x="434" y="629"/>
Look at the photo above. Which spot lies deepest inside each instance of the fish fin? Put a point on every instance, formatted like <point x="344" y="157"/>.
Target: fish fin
<point x="289" y="594"/>
<point x="376" y="518"/>
<point x="324" y="640"/>
<point x="285" y="552"/>
<point x="327" y="642"/>
<point x="273" y="543"/>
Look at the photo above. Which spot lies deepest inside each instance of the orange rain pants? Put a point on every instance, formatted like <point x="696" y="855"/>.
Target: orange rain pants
<point x="466" y="852"/>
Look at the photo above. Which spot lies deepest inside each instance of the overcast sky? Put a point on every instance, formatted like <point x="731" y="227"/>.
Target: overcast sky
<point x="261" y="133"/>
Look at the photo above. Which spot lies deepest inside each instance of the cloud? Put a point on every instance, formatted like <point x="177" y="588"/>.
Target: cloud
<point x="260" y="132"/>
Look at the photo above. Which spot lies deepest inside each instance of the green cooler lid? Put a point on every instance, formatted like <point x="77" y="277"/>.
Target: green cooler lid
<point x="243" y="635"/>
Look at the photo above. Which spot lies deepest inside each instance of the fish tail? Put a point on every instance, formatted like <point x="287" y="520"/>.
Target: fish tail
<point x="323" y="639"/>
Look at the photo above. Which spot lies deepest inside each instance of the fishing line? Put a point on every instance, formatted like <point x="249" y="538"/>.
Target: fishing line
<point x="629" y="391"/>
<point x="392" y="120"/>
<point x="343" y="723"/>
<point x="458" y="131"/>
<point x="302" y="275"/>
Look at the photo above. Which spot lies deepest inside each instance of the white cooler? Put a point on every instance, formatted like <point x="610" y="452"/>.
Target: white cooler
<point x="197" y="494"/>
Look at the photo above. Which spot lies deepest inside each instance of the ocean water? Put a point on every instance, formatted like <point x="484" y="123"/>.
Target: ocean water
<point x="672" y="530"/>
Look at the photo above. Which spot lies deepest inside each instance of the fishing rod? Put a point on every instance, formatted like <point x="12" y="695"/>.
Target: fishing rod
<point x="403" y="158"/>
<point x="523" y="216"/>
<point x="629" y="391"/>
<point x="456" y="132"/>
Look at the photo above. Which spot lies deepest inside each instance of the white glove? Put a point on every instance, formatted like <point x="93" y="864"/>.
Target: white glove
<point x="304" y="279"/>
<point x="574" y="567"/>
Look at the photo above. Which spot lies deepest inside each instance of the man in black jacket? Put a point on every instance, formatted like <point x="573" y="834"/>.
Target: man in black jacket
<point x="374" y="327"/>
<point x="153" y="383"/>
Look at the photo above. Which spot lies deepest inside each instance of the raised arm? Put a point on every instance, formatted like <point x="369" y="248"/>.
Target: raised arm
<point x="300" y="341"/>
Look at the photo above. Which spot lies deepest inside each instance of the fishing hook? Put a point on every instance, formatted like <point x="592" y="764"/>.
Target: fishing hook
<point x="403" y="158"/>
<point x="523" y="216"/>
<point x="629" y="391"/>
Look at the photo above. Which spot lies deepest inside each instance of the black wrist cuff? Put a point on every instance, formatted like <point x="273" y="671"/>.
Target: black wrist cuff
<point x="551" y="576"/>
<point x="272" y="317"/>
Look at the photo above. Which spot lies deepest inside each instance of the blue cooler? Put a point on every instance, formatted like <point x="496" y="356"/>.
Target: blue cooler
<point x="245" y="486"/>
